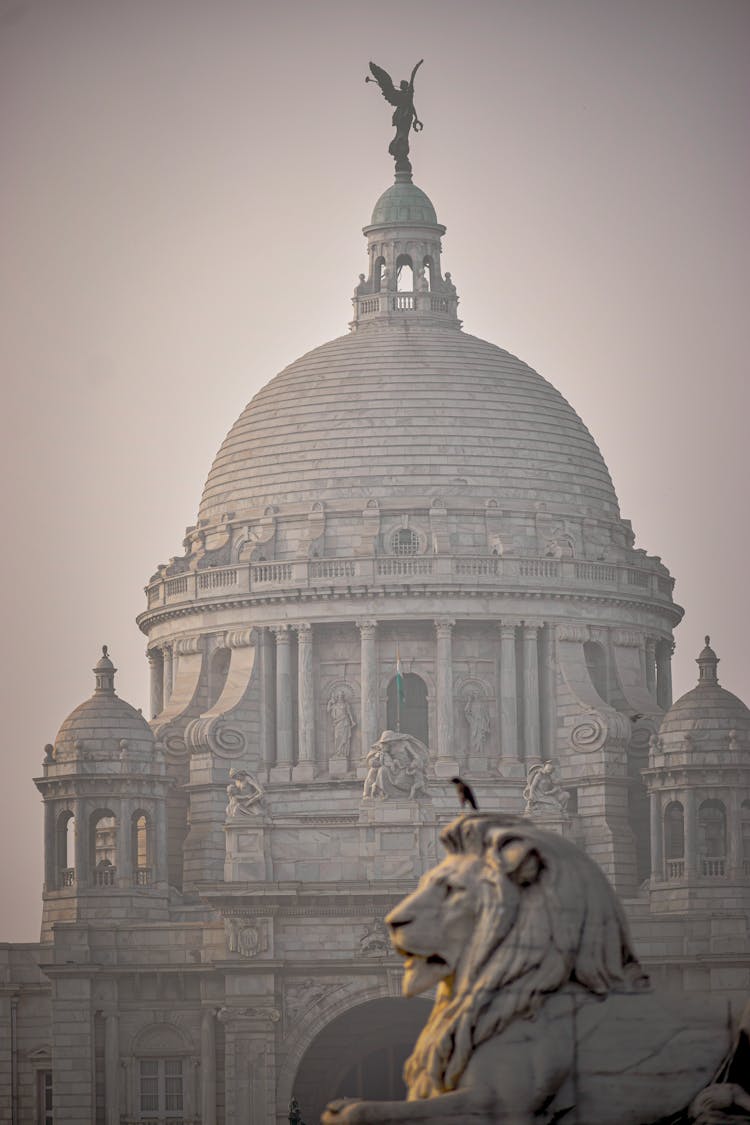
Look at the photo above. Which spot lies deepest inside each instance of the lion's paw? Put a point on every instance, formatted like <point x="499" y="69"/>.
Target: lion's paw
<point x="343" y="1111"/>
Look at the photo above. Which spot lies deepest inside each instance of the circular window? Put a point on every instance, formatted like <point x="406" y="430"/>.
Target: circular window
<point x="405" y="542"/>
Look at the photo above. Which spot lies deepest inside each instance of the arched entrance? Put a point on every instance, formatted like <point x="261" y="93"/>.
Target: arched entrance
<point x="360" y="1054"/>
<point x="409" y="715"/>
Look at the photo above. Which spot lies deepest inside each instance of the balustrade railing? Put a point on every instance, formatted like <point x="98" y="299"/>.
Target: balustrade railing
<point x="105" y="876"/>
<point x="305" y="573"/>
<point x="214" y="579"/>
<point x="539" y="568"/>
<point x="68" y="877"/>
<point x="713" y="867"/>
<point x="143" y="876"/>
<point x="675" y="868"/>
<point x="332" y="568"/>
<point x="399" y="567"/>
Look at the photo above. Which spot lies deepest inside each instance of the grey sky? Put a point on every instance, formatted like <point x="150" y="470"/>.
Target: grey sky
<point x="183" y="189"/>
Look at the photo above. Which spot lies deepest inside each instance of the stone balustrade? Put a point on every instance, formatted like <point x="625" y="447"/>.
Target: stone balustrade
<point x="486" y="571"/>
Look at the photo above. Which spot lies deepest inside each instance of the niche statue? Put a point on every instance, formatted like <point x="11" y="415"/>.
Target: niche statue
<point x="543" y="1013"/>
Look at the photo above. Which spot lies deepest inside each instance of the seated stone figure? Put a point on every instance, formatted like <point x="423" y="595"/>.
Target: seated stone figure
<point x="543" y="1013"/>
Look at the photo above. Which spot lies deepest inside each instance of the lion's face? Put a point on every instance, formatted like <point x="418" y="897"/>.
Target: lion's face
<point x="434" y="928"/>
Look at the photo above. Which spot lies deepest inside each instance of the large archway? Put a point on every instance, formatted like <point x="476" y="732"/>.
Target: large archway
<point x="361" y="1054"/>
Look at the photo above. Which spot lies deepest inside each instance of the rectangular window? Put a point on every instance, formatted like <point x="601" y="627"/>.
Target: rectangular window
<point x="44" y="1114"/>
<point x="161" y="1089"/>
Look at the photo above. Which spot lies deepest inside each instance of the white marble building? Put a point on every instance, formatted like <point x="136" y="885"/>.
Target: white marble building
<point x="405" y="493"/>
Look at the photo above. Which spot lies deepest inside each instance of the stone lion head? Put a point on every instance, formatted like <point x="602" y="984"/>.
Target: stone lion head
<point x="512" y="914"/>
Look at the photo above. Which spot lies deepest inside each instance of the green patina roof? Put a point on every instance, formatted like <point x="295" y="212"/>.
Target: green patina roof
<point x="403" y="203"/>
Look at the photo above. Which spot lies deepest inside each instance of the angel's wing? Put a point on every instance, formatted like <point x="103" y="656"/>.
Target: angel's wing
<point x="411" y="80"/>
<point x="384" y="81"/>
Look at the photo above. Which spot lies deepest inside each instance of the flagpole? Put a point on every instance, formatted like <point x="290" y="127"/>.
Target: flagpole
<point x="398" y="691"/>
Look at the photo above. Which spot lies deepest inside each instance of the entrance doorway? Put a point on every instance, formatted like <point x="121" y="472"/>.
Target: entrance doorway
<point x="360" y="1054"/>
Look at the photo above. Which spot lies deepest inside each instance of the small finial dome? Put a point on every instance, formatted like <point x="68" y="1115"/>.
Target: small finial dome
<point x="707" y="664"/>
<point x="104" y="671"/>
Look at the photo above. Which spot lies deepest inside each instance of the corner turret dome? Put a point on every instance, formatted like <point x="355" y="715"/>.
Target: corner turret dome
<point x="708" y="714"/>
<point x="104" y="722"/>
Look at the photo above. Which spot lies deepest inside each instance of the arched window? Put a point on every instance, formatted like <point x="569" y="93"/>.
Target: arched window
<point x="404" y="274"/>
<point x="409" y="715"/>
<point x="596" y="664"/>
<point x="142" y="849"/>
<point x="218" y="668"/>
<point x="712" y="838"/>
<point x="103" y="848"/>
<point x="674" y="831"/>
<point x="745" y="829"/>
<point x="405" y="542"/>
<point x="65" y="849"/>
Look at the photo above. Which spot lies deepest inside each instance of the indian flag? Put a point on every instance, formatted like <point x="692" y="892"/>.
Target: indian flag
<point x="399" y="679"/>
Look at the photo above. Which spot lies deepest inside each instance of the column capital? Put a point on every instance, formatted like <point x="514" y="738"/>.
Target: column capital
<point x="303" y="630"/>
<point x="508" y="624"/>
<point x="531" y="628"/>
<point x="282" y="633"/>
<point x="444" y="625"/>
<point x="367" y="626"/>
<point x="152" y="654"/>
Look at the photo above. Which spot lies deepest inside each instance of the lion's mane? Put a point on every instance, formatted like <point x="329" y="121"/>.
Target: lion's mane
<point x="569" y="928"/>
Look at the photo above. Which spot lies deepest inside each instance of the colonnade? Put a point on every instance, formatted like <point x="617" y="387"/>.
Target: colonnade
<point x="525" y="707"/>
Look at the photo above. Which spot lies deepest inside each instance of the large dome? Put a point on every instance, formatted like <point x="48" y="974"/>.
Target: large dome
<point x="400" y="409"/>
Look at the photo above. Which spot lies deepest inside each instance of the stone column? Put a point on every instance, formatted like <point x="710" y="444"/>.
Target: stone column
<point x="664" y="673"/>
<point x="305" y="768"/>
<point x="282" y="771"/>
<point x="166" y="653"/>
<point x="267" y="716"/>
<point x="208" y="1067"/>
<point x="81" y="844"/>
<point x="124" y="843"/>
<point x="111" y="1069"/>
<point x="650" y="646"/>
<point x="657" y="837"/>
<point x="53" y="863"/>
<point x="509" y="748"/>
<point x="447" y="762"/>
<point x="156" y="681"/>
<point x="369" y="684"/>
<point x="691" y="835"/>
<point x="549" y="691"/>
<point x="159" y="862"/>
<point x="531" y="732"/>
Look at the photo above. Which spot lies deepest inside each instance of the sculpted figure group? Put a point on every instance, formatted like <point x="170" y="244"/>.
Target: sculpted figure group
<point x="397" y="767"/>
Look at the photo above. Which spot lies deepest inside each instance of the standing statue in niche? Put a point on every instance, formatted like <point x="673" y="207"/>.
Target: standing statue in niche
<point x="343" y="723"/>
<point x="245" y="794"/>
<point x="404" y="115"/>
<point x="478" y="717"/>
<point x="397" y="767"/>
<point x="542" y="794"/>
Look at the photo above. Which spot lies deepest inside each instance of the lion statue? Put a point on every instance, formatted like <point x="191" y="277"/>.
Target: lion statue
<point x="543" y="1013"/>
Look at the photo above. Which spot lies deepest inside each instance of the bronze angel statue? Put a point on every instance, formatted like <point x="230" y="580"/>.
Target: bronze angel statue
<point x="404" y="116"/>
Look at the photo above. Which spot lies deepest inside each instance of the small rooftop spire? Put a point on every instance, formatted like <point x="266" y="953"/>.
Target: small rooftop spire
<point x="105" y="674"/>
<point x="707" y="665"/>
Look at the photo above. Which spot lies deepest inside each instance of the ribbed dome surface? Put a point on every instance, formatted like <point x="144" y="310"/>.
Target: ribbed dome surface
<point x="401" y="410"/>
<point x="708" y="708"/>
<point x="101" y="722"/>
<point x="403" y="203"/>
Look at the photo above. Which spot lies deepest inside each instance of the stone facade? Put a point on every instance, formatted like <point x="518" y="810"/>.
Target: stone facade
<point x="406" y="504"/>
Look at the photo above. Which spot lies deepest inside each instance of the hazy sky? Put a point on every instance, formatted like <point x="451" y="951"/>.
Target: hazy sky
<point x="183" y="188"/>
